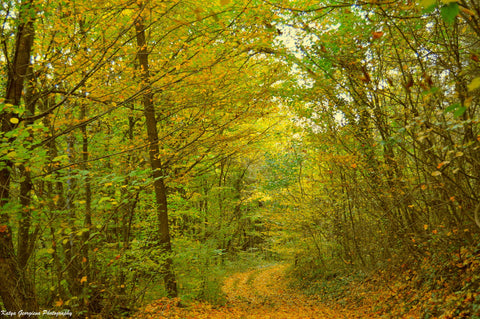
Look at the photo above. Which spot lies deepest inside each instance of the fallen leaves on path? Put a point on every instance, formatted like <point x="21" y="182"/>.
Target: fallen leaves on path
<point x="258" y="293"/>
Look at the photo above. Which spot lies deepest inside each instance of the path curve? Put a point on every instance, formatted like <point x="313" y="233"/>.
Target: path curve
<point x="257" y="293"/>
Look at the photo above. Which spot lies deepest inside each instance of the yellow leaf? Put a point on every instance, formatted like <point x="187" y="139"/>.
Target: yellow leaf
<point x="442" y="163"/>
<point x="127" y="12"/>
<point x="427" y="3"/>
<point x="474" y="84"/>
<point x="14" y="120"/>
<point x="84" y="279"/>
<point x="59" y="303"/>
<point x="224" y="2"/>
<point x="468" y="101"/>
<point x="467" y="11"/>
<point x="50" y="250"/>
<point x="425" y="227"/>
<point x="436" y="173"/>
<point x="11" y="155"/>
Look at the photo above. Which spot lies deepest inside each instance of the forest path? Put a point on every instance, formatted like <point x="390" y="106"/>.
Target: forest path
<point x="257" y="293"/>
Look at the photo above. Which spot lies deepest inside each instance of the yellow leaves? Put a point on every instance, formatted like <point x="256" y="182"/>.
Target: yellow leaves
<point x="84" y="279"/>
<point x="440" y="165"/>
<point x="14" y="120"/>
<point x="127" y="13"/>
<point x="467" y="11"/>
<point x="436" y="173"/>
<point x="198" y="12"/>
<point x="430" y="3"/>
<point x="55" y="199"/>
<point x="224" y="2"/>
<point x="427" y="3"/>
<point x="251" y="294"/>
<point x="11" y="155"/>
<point x="475" y="84"/>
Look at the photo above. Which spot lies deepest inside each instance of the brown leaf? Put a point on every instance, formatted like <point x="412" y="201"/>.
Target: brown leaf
<point x="377" y="34"/>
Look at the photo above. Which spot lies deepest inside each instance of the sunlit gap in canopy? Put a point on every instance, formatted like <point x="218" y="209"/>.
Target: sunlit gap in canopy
<point x="293" y="38"/>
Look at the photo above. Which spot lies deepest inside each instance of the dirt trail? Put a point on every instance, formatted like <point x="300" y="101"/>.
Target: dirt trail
<point x="258" y="293"/>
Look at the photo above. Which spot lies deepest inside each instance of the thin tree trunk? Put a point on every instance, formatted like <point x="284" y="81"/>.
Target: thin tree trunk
<point x="86" y="269"/>
<point x="154" y="153"/>
<point x="86" y="265"/>
<point x="26" y="239"/>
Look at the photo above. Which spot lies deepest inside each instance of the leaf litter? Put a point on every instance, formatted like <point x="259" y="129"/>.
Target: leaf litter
<point x="257" y="293"/>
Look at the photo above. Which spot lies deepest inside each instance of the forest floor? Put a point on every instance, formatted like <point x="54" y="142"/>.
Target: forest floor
<point x="259" y="293"/>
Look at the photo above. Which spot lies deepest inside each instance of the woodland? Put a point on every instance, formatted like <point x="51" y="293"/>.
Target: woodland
<point x="152" y="152"/>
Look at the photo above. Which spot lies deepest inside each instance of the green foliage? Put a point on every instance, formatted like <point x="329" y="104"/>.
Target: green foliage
<point x="200" y="271"/>
<point x="449" y="12"/>
<point x="282" y="170"/>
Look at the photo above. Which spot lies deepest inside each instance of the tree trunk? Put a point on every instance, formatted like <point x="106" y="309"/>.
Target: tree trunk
<point x="16" y="291"/>
<point x="154" y="154"/>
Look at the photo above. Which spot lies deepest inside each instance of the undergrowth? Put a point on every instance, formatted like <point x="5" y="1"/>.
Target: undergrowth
<point x="201" y="272"/>
<point x="440" y="284"/>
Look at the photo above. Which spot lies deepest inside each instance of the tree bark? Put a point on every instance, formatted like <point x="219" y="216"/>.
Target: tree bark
<point x="156" y="164"/>
<point x="16" y="290"/>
